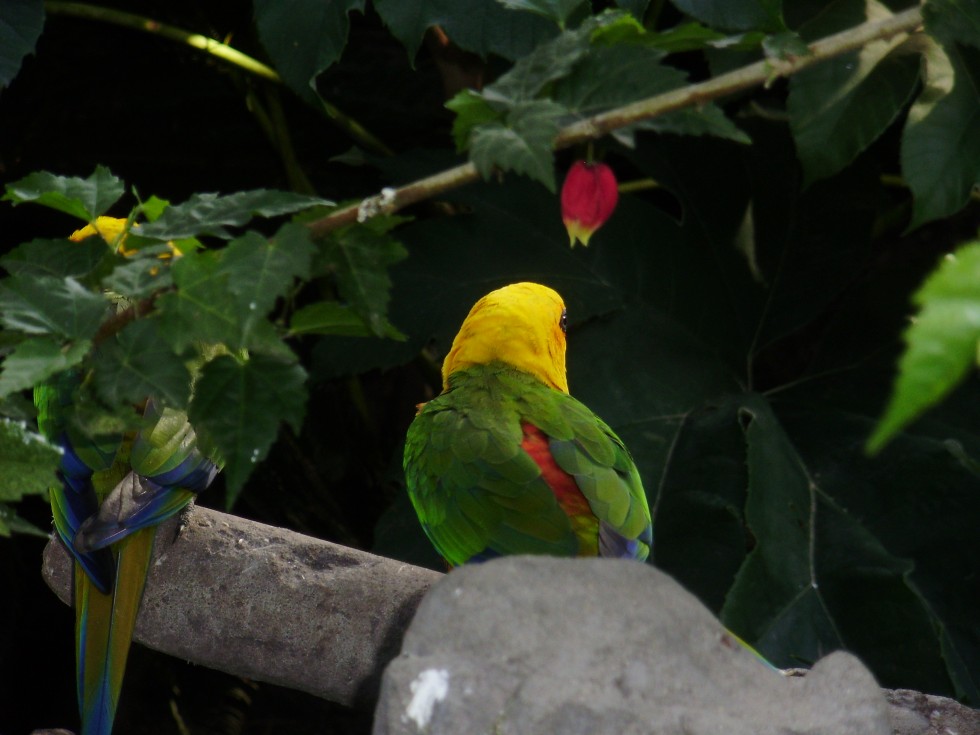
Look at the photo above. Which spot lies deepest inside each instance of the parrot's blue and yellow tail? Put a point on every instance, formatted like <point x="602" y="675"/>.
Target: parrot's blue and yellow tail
<point x="112" y="496"/>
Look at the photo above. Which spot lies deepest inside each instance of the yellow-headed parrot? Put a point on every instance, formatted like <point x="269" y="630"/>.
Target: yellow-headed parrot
<point x="505" y="461"/>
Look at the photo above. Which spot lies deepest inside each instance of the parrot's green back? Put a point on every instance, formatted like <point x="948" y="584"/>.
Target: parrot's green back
<point x="501" y="463"/>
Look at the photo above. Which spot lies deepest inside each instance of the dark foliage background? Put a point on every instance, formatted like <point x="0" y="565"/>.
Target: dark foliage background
<point x="737" y="328"/>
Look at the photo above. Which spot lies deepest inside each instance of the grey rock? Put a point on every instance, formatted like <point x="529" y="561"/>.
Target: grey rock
<point x="270" y="604"/>
<point x="539" y="645"/>
<point x="915" y="713"/>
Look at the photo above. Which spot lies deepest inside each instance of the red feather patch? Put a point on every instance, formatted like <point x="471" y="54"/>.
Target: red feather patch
<point x="562" y="484"/>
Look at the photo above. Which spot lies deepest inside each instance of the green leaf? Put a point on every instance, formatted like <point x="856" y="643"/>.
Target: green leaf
<point x="137" y="364"/>
<point x="617" y="75"/>
<point x="481" y="26"/>
<point x="303" y="37"/>
<point x="740" y="15"/>
<point x="360" y="258"/>
<point x="549" y="62"/>
<point x="44" y="304"/>
<point x="330" y="317"/>
<point x="953" y="21"/>
<point x="201" y="309"/>
<point x="940" y="146"/>
<point x="259" y="271"/>
<point x="21" y="22"/>
<point x="208" y="214"/>
<point x="58" y="258"/>
<point x="27" y="461"/>
<point x="82" y="198"/>
<point x="138" y="278"/>
<point x="472" y="110"/>
<point x="841" y="106"/>
<point x="35" y="360"/>
<point x="943" y="342"/>
<point x="239" y="405"/>
<point x="523" y="144"/>
<point x="11" y="523"/>
<point x="558" y="11"/>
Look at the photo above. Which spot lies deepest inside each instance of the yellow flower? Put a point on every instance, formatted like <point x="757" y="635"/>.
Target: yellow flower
<point x="110" y="229"/>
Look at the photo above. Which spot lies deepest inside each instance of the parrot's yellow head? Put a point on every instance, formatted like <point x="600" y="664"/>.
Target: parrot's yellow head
<point x="522" y="324"/>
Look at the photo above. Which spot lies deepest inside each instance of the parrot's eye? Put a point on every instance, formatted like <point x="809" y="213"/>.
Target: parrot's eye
<point x="563" y="321"/>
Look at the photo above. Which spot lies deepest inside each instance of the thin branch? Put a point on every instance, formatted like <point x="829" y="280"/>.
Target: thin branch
<point x="215" y="48"/>
<point x="761" y="72"/>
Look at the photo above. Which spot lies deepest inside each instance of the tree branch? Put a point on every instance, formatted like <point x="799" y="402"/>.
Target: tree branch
<point x="761" y="72"/>
<point x="270" y="604"/>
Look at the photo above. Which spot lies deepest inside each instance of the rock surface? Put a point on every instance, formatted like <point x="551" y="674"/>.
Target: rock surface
<point x="538" y="645"/>
<point x="270" y="604"/>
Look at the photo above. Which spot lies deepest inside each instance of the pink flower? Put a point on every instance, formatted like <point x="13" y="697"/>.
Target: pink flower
<point x="588" y="198"/>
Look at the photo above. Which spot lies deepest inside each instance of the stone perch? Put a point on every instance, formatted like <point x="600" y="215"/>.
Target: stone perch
<point x="270" y="604"/>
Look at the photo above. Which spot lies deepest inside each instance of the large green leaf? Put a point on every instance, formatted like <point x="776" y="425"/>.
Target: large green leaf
<point x="58" y="258"/>
<point x="943" y="342"/>
<point x="210" y="214"/>
<point x="953" y="20"/>
<point x="21" y="22"/>
<point x="481" y="26"/>
<point x="521" y="144"/>
<point x="138" y="363"/>
<point x="613" y="76"/>
<point x="740" y="15"/>
<point x="35" y="360"/>
<point x="27" y="467"/>
<point x="839" y="107"/>
<point x="201" y="309"/>
<point x="940" y="146"/>
<point x="558" y="11"/>
<point x="239" y="405"/>
<point x="139" y="278"/>
<point x="44" y="304"/>
<point x="82" y="198"/>
<point x="261" y="270"/>
<point x="331" y="317"/>
<point x="303" y="37"/>
<point x="360" y="258"/>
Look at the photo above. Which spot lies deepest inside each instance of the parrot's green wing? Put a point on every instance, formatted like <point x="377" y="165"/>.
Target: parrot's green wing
<point x="482" y="486"/>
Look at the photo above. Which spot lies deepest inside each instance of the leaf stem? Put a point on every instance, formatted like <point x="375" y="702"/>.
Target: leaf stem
<point x="758" y="73"/>
<point x="215" y="48"/>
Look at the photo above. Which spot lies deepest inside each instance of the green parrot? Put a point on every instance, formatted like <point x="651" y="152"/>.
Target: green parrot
<point x="111" y="497"/>
<point x="505" y="461"/>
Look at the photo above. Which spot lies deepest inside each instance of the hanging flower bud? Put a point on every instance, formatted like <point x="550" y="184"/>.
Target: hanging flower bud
<point x="588" y="198"/>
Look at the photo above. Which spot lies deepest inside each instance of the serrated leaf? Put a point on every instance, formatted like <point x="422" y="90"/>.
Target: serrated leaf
<point x="952" y="21"/>
<point x="239" y="406"/>
<point x="740" y="15"/>
<point x="841" y="106"/>
<point x="940" y="146"/>
<point x="82" y="198"/>
<point x="471" y="110"/>
<point x="35" y="360"/>
<point x="523" y="145"/>
<point x="201" y="309"/>
<point x="558" y="11"/>
<point x="547" y="63"/>
<point x="303" y="37"/>
<point x="260" y="270"/>
<point x="481" y="26"/>
<point x="137" y="364"/>
<point x="613" y="76"/>
<point x="21" y="22"/>
<point x="138" y="278"/>
<point x="11" y="523"/>
<point x="943" y="342"/>
<point x="331" y="317"/>
<point x="209" y="214"/>
<point x="44" y="304"/>
<point x="55" y="257"/>
<point x="360" y="259"/>
<point x="28" y="462"/>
